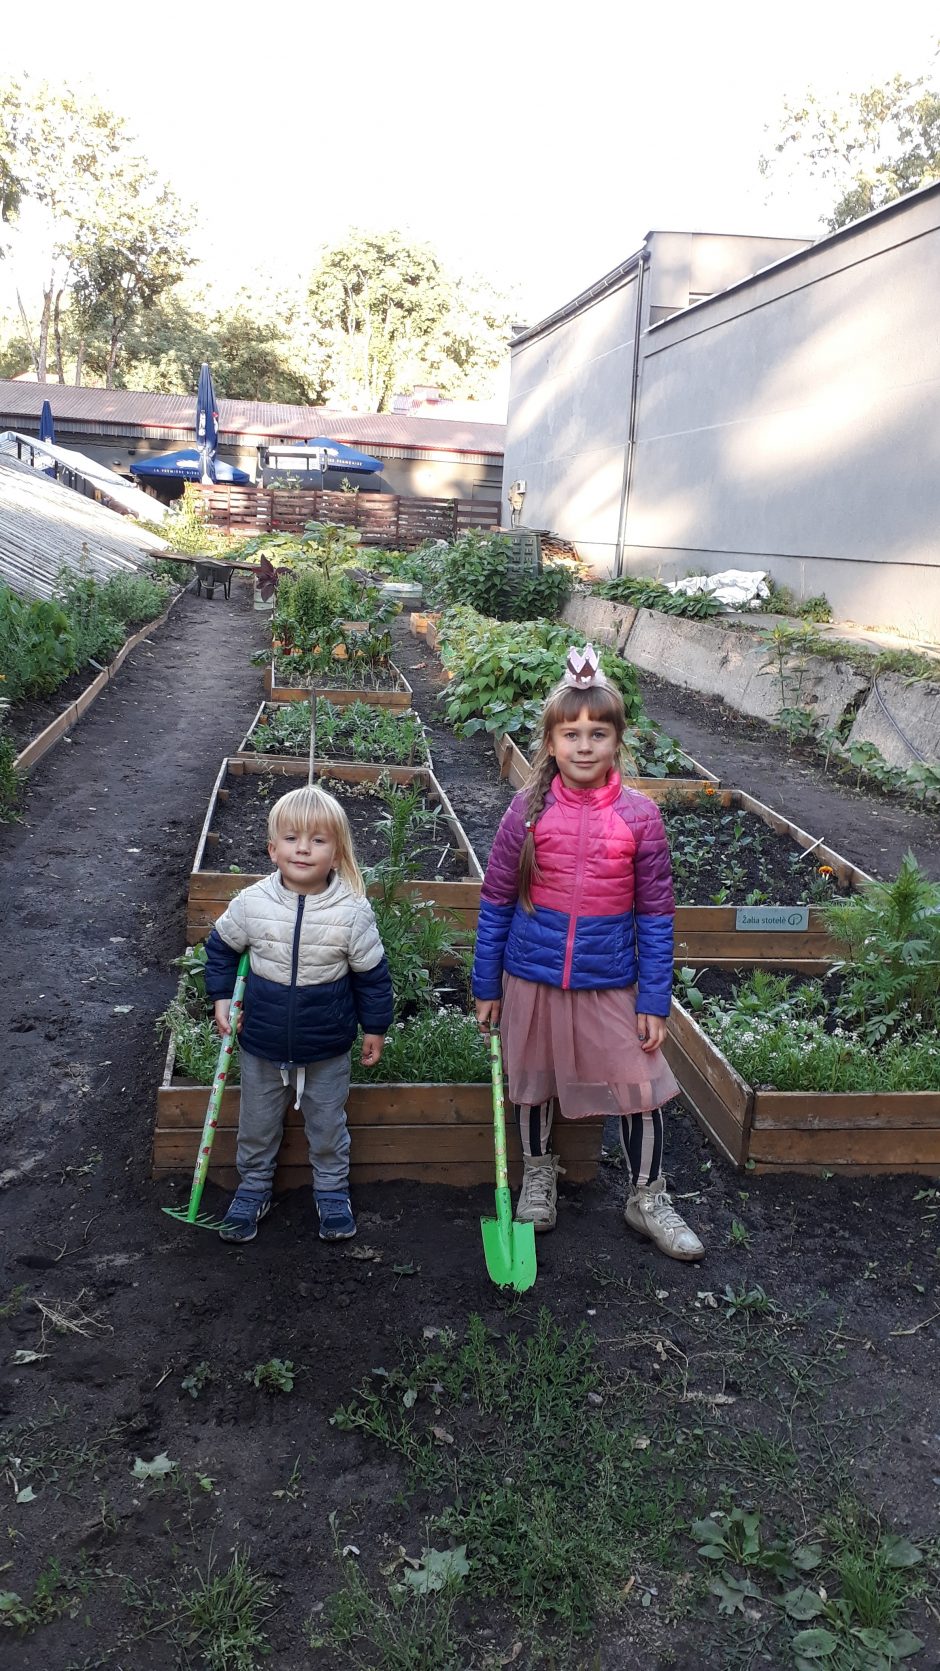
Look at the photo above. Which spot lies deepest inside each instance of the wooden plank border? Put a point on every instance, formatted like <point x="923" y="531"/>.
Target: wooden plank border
<point x="399" y="698"/>
<point x="801" y="1131"/>
<point x="211" y="890"/>
<point x="515" y="767"/>
<point x="433" y="1133"/>
<point x="46" y="739"/>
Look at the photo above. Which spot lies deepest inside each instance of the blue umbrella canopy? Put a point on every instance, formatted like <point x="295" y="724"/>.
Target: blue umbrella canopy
<point x="207" y="424"/>
<point x="46" y="425"/>
<point x="186" y="465"/>
<point x="341" y="457"/>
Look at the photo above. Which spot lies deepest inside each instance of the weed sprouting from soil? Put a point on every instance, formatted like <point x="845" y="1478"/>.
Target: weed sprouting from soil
<point x="225" y="1612"/>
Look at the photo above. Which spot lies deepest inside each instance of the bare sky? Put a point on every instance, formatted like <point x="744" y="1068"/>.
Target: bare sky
<point x="535" y="143"/>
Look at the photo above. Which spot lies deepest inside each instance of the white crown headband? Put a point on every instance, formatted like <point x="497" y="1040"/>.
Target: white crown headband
<point x="582" y="668"/>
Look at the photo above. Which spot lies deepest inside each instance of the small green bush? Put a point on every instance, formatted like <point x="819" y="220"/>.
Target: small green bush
<point x="37" y="645"/>
<point x="643" y="593"/>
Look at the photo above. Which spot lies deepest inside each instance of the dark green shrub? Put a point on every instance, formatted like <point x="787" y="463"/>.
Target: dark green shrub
<point x="37" y="646"/>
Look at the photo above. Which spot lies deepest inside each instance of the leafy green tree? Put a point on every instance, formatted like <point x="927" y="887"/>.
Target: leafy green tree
<point x="874" y="148"/>
<point x="379" y="298"/>
<point x="114" y="237"/>
<point x="391" y="316"/>
<point x="127" y="250"/>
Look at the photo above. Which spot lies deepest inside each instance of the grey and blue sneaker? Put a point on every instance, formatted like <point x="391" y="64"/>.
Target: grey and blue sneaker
<point x="246" y="1208"/>
<point x="335" y="1212"/>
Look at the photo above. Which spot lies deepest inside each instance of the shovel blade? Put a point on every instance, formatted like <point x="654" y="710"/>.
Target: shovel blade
<point x="510" y="1254"/>
<point x="202" y="1221"/>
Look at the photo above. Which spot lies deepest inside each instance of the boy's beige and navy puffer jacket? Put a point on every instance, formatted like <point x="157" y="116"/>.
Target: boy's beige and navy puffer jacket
<point x="318" y="970"/>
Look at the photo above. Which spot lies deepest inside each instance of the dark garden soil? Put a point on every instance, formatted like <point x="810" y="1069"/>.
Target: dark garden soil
<point x="725" y="855"/>
<point x="241" y="824"/>
<point x="873" y="831"/>
<point x="25" y="720"/>
<point x="108" y="1306"/>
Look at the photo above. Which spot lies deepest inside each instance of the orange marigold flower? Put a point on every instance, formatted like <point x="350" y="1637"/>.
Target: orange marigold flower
<point x="825" y="870"/>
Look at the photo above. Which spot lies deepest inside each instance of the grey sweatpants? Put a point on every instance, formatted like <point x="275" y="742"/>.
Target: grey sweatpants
<point x="264" y="1102"/>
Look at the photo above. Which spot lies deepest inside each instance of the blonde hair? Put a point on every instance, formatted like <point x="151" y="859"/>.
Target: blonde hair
<point x="311" y="809"/>
<point x="563" y="704"/>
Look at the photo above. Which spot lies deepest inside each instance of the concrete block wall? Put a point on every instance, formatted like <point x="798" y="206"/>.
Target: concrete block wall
<point x="723" y="658"/>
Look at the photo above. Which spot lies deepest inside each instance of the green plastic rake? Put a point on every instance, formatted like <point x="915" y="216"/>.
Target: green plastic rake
<point x="509" y="1248"/>
<point x="191" y="1214"/>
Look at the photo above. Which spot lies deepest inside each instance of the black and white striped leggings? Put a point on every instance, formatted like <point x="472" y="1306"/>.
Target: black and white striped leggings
<point x="641" y="1137"/>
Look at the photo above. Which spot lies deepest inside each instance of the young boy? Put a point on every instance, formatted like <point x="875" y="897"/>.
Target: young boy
<point x="318" y="972"/>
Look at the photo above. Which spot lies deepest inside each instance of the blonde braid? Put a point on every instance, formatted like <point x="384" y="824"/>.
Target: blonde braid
<point x="543" y="772"/>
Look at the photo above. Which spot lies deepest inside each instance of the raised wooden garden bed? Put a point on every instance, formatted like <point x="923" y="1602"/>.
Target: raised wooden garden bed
<point x="801" y="1131"/>
<point x="514" y="766"/>
<point x="421" y="619"/>
<point x="435" y="1134"/>
<point x="717" y="934"/>
<point x="268" y="709"/>
<point x="398" y="697"/>
<point x="210" y="890"/>
<point x="46" y="739"/>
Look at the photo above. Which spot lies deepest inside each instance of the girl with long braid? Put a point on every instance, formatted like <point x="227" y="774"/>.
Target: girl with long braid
<point x="574" y="954"/>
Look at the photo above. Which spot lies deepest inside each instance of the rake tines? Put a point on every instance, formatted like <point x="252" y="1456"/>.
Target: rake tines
<point x="202" y="1221"/>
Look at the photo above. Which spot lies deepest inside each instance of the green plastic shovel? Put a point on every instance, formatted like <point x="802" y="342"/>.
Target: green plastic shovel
<point x="191" y="1214"/>
<point x="509" y="1248"/>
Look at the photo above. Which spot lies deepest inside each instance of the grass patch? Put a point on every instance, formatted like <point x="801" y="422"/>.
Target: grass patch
<point x="553" y="1528"/>
<point x="223" y="1614"/>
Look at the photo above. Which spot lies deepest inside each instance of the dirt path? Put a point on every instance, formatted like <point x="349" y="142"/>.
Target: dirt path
<point x="873" y="831"/>
<point x="787" y="1409"/>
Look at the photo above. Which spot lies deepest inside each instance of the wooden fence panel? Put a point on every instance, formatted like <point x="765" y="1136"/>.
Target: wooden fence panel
<point x="384" y="519"/>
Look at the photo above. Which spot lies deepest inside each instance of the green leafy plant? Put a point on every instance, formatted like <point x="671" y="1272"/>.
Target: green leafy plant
<point x="643" y="593"/>
<point x="477" y="572"/>
<point x="411" y="1627"/>
<point x="198" y="1379"/>
<point x="544" y="1524"/>
<point x="357" y="731"/>
<point x="275" y="1375"/>
<point x="10" y="780"/>
<point x="892" y="969"/>
<point x="502" y="671"/>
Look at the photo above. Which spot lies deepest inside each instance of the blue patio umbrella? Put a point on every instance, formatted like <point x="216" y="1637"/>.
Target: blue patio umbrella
<point x="341" y="457"/>
<point x="187" y="465"/>
<point x="207" y="425"/>
<point x="46" y="425"/>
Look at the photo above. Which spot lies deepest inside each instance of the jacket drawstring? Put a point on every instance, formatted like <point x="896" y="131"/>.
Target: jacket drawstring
<point x="300" y="1081"/>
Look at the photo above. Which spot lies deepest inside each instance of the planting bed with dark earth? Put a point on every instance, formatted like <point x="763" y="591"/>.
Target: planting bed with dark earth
<point x="241" y="823"/>
<point x="793" y="1374"/>
<point x="873" y="830"/>
<point x="347" y="677"/>
<point x="727" y="854"/>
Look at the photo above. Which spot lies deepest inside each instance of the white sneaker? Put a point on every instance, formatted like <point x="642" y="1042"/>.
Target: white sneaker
<point x="538" y="1199"/>
<point x="650" y="1212"/>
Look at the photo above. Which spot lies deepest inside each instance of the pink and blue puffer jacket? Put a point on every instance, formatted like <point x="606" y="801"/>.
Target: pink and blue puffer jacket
<point x="603" y="904"/>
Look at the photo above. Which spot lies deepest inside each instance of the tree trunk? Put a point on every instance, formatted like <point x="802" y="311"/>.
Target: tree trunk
<point x="42" y="357"/>
<point x="113" y="352"/>
<point x="57" y="333"/>
<point x="29" y="334"/>
<point x="79" y="362"/>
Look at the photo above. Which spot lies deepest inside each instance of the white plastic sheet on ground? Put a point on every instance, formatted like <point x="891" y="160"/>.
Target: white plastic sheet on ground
<point x="735" y="588"/>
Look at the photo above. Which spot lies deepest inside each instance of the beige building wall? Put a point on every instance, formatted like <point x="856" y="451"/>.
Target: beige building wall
<point x="793" y="424"/>
<point x="572" y="380"/>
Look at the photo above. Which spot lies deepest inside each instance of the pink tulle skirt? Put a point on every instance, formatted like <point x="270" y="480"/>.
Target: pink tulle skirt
<point x="582" y="1048"/>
